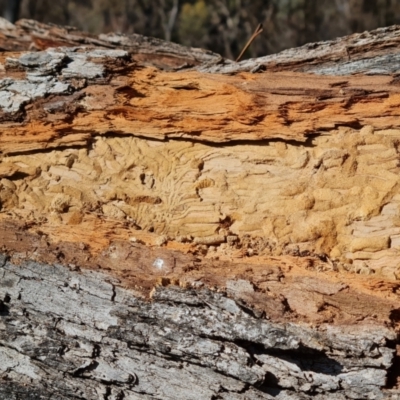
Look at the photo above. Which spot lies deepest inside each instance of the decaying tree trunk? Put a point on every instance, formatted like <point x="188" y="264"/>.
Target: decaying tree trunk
<point x="178" y="226"/>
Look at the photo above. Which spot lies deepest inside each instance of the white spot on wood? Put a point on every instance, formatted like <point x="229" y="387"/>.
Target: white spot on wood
<point x="158" y="263"/>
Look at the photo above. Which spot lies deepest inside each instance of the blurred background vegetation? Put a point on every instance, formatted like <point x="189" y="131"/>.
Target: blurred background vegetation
<point x="222" y="26"/>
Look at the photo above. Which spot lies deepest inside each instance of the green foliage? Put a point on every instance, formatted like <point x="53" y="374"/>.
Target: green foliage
<point x="193" y="23"/>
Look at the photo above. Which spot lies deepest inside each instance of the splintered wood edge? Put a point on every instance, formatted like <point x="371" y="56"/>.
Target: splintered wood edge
<point x="102" y="92"/>
<point x="265" y="284"/>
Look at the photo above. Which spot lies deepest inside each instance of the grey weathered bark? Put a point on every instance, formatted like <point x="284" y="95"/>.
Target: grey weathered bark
<point x="71" y="334"/>
<point x="175" y="227"/>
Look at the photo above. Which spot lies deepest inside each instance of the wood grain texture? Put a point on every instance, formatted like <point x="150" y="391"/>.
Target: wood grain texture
<point x="67" y="97"/>
<point x="337" y="197"/>
<point x="231" y="225"/>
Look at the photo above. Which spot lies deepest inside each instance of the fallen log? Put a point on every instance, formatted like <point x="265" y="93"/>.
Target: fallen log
<point x="179" y="226"/>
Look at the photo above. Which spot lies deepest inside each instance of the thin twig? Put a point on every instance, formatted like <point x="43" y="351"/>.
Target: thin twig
<point x="258" y="30"/>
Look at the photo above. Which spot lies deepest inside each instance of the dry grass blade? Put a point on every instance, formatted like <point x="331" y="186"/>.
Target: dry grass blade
<point x="258" y="30"/>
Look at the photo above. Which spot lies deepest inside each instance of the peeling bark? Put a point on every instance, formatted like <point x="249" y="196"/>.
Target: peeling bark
<point x="176" y="226"/>
<point x="33" y="35"/>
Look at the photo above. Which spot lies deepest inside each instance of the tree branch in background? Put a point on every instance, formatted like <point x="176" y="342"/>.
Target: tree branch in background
<point x="258" y="30"/>
<point x="11" y="10"/>
<point x="168" y="22"/>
